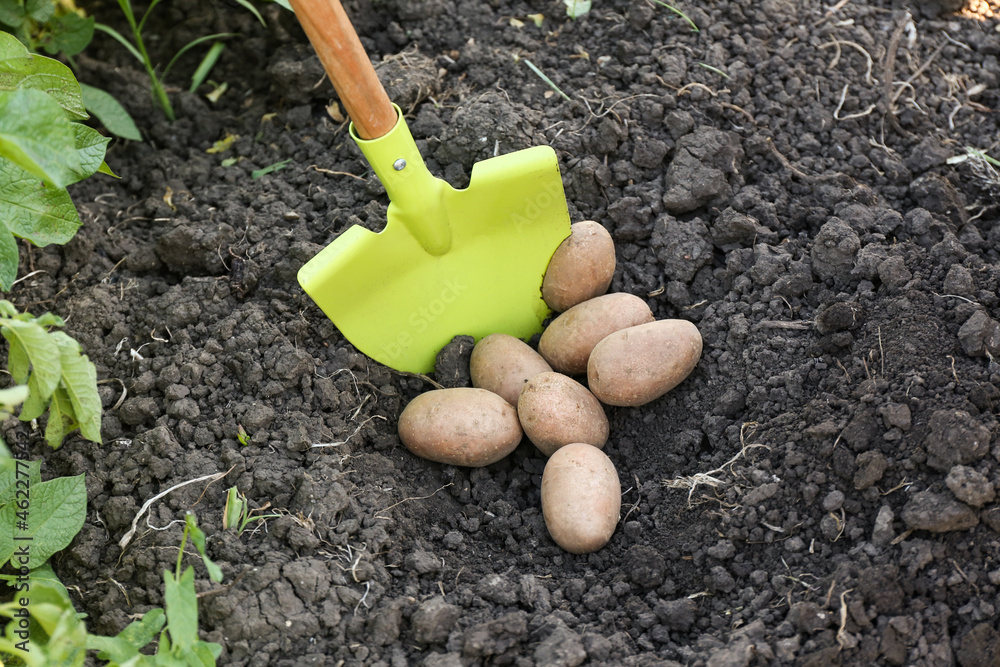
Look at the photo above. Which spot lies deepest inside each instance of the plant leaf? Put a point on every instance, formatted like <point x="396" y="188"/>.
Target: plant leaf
<point x="39" y="73"/>
<point x="190" y="45"/>
<point x="8" y="476"/>
<point x="11" y="397"/>
<point x="62" y="419"/>
<point x="90" y="148"/>
<point x="17" y="361"/>
<point x="110" y="112"/>
<point x="40" y="10"/>
<point x="181" y="602"/>
<point x="117" y="36"/>
<point x="253" y="10"/>
<point x="127" y="643"/>
<point x="9" y="258"/>
<point x="206" y="65"/>
<point x="36" y="136"/>
<point x="55" y="515"/>
<point x="71" y="33"/>
<point x="33" y="211"/>
<point x="79" y="377"/>
<point x="576" y="8"/>
<point x="10" y="46"/>
<point x="43" y="353"/>
<point x="198" y="540"/>
<point x="105" y="169"/>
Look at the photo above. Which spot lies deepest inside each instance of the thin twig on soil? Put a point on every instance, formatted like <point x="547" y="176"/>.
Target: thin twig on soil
<point x="404" y="500"/>
<point x="691" y="482"/>
<point x="841" y="632"/>
<point x="146" y="505"/>
<point x="336" y="173"/>
<point x="344" y="441"/>
<point x="836" y="58"/>
<point x="840" y="105"/>
<point x="888" y="69"/>
<point x="920" y="70"/>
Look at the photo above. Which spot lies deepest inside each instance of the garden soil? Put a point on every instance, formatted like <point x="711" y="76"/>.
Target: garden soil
<point x="822" y="489"/>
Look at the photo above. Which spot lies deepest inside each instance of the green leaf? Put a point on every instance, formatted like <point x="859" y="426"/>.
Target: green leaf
<point x="48" y="320"/>
<point x="18" y="363"/>
<point x="198" y="540"/>
<point x="206" y="653"/>
<point x="11" y="397"/>
<point x="36" y="136"/>
<point x="79" y="377"/>
<point x="30" y="470"/>
<point x="61" y="420"/>
<point x="33" y="407"/>
<point x="33" y="211"/>
<point x="9" y="257"/>
<point x="206" y="65"/>
<point x="264" y="171"/>
<point x="110" y="112"/>
<point x="253" y="10"/>
<point x="90" y="147"/>
<point x="40" y="10"/>
<point x="576" y="8"/>
<point x="105" y="169"/>
<point x="285" y="4"/>
<point x="181" y="602"/>
<point x="43" y="353"/>
<point x="190" y="45"/>
<point x="11" y="47"/>
<point x="7" y="309"/>
<point x="36" y="72"/>
<point x="71" y="33"/>
<point x="117" y="36"/>
<point x="56" y="511"/>
<point x="125" y="646"/>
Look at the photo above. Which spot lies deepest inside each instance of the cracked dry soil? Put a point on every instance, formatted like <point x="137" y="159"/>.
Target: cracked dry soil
<point x="780" y="178"/>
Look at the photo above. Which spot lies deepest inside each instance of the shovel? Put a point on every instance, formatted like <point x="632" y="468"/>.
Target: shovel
<point x="448" y="262"/>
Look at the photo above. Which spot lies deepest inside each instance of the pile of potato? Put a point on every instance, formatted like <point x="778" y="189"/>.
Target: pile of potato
<point x="628" y="357"/>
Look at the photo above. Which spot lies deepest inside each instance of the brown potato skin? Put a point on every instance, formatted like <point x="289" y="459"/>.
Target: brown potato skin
<point x="567" y="342"/>
<point x="461" y="426"/>
<point x="502" y="364"/>
<point x="637" y="365"/>
<point x="556" y="410"/>
<point x="581" y="267"/>
<point x="581" y="498"/>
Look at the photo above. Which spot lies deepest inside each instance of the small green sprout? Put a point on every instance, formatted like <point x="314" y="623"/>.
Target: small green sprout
<point x="243" y="436"/>
<point x="576" y="8"/>
<point x="547" y="80"/>
<point x="236" y="516"/>
<point x="277" y="166"/>
<point x="137" y="48"/>
<point x="715" y="69"/>
<point x="694" y="27"/>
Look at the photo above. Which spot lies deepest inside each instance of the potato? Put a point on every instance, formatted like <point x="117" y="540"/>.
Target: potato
<point x="637" y="365"/>
<point x="462" y="426"/>
<point x="502" y="364"/>
<point x="581" y="267"/>
<point x="581" y="498"/>
<point x="556" y="410"/>
<point x="567" y="342"/>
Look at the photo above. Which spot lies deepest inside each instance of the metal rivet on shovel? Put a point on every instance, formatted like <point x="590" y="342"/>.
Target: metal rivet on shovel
<point x="449" y="262"/>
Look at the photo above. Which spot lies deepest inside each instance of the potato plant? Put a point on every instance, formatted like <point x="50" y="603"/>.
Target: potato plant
<point x="43" y="148"/>
<point x="60" y="378"/>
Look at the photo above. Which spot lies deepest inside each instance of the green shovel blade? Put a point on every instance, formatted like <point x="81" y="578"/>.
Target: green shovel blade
<point x="448" y="262"/>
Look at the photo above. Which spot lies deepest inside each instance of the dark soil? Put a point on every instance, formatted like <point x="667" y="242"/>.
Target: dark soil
<point x="771" y="178"/>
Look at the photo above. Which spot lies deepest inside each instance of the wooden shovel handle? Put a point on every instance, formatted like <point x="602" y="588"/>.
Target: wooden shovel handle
<point x="346" y="63"/>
